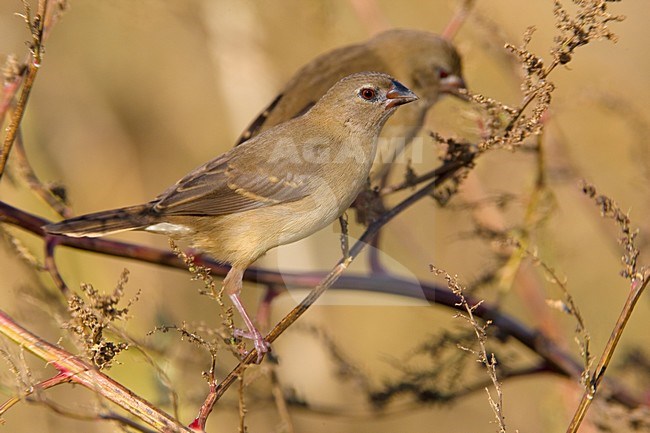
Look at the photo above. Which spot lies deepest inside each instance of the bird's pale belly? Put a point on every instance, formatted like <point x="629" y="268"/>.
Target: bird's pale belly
<point x="241" y="238"/>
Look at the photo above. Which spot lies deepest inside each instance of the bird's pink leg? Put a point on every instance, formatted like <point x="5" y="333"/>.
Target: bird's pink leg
<point x="232" y="285"/>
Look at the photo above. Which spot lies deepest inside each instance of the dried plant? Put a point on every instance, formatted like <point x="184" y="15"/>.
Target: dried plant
<point x="90" y="318"/>
<point x="482" y="355"/>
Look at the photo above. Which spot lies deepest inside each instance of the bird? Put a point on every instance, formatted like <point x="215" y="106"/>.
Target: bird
<point x="276" y="188"/>
<point x="427" y="63"/>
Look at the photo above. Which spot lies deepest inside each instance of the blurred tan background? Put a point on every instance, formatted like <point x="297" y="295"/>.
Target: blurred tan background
<point x="132" y="95"/>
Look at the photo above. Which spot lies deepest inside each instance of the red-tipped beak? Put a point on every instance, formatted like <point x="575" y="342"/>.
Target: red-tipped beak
<point x="399" y="94"/>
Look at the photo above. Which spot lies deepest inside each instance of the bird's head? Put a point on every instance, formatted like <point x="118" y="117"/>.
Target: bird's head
<point x="364" y="100"/>
<point x="427" y="62"/>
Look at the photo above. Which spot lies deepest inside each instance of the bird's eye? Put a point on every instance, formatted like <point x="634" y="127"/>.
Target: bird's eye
<point x="368" y="93"/>
<point x="442" y="73"/>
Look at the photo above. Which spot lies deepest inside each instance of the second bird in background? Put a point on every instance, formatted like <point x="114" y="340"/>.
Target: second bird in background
<point x="426" y="63"/>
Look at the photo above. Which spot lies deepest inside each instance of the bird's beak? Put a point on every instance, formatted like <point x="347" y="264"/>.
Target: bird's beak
<point x="399" y="94"/>
<point x="452" y="85"/>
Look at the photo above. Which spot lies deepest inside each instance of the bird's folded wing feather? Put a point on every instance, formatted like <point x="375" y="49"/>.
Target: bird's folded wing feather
<point x="223" y="186"/>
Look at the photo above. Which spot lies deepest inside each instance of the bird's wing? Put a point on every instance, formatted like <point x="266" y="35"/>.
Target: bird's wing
<point x="223" y="186"/>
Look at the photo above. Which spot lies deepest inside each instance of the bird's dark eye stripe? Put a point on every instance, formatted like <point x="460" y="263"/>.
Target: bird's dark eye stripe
<point x="368" y="93"/>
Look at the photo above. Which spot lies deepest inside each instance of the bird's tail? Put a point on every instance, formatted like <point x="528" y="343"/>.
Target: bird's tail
<point x="104" y="223"/>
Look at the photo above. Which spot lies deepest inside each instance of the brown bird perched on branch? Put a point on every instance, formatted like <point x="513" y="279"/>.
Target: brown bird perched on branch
<point x="426" y="63"/>
<point x="274" y="189"/>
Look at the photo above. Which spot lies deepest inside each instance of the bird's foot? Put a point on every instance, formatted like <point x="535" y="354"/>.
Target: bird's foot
<point x="261" y="345"/>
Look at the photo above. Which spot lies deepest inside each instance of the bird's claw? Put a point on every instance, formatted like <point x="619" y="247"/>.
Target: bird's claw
<point x="261" y="345"/>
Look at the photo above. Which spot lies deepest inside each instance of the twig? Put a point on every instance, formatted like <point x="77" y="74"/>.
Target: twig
<point x="639" y="278"/>
<point x="281" y="402"/>
<point x="10" y="88"/>
<point x="450" y="166"/>
<point x="82" y="373"/>
<point x="16" y="72"/>
<point x="458" y="19"/>
<point x="589" y="23"/>
<point x="123" y="420"/>
<point x="45" y="384"/>
<point x="50" y="265"/>
<point x="241" y="404"/>
<point x="485" y="358"/>
<point x="570" y="307"/>
<point x="56" y="202"/>
<point x="162" y="376"/>
<point x="637" y="289"/>
<point x="36" y="28"/>
<point x="424" y="395"/>
<point x="345" y="240"/>
<point x="17" y="117"/>
<point x="198" y="424"/>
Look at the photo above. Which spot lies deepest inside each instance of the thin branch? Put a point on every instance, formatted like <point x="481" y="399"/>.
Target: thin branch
<point x="17" y="117"/>
<point x="639" y="278"/>
<point x="162" y="376"/>
<point x="50" y="265"/>
<point x="426" y="396"/>
<point x="480" y="331"/>
<point x="588" y="396"/>
<point x="201" y="419"/>
<point x="241" y="405"/>
<point x="126" y="421"/>
<point x="45" y="384"/>
<point x="84" y="374"/>
<point x="458" y="19"/>
<point x="450" y="166"/>
<point x="10" y="87"/>
<point x="36" y="27"/>
<point x="280" y="402"/>
<point x="15" y="73"/>
<point x="46" y="193"/>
